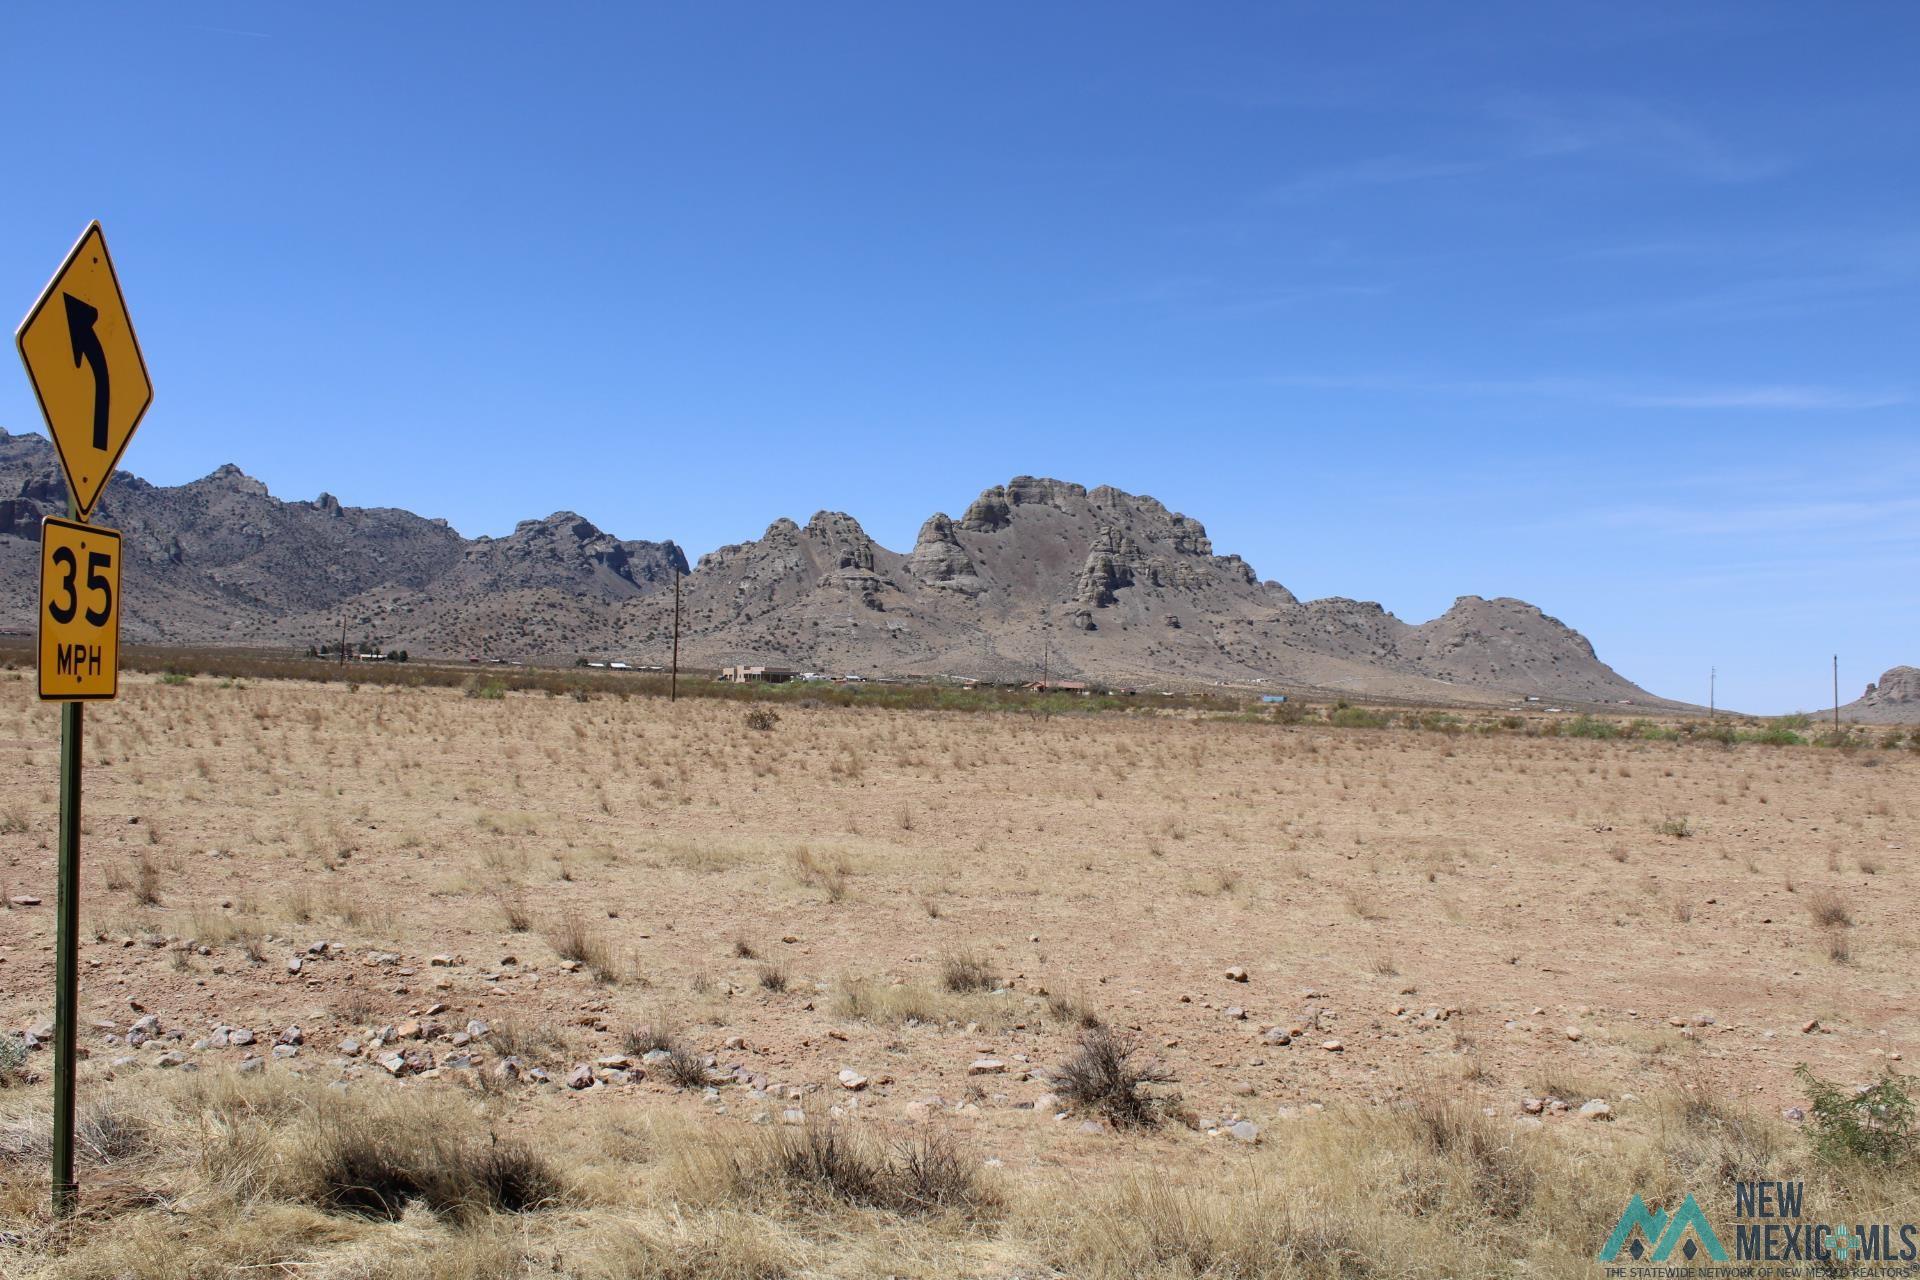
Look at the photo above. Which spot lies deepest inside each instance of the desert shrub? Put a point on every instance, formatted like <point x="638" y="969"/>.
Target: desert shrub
<point x="1103" y="1076"/>
<point x="684" y="1066"/>
<point x="514" y="908"/>
<point x="484" y="688"/>
<point x="822" y="1164"/>
<point x="967" y="971"/>
<point x="762" y="718"/>
<point x="648" y="1037"/>
<point x="13" y="1059"/>
<point x="1073" y="1010"/>
<point x="534" y="1043"/>
<point x="572" y="938"/>
<point x="374" y="1171"/>
<point x="1873" y="1124"/>
<point x="773" y="977"/>
<point x="1679" y="827"/>
<point x="1828" y="909"/>
<point x="1585" y="726"/>
<point x="1774" y="735"/>
<point x="1358" y="718"/>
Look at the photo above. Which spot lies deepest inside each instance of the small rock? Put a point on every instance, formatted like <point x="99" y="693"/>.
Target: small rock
<point x="1794" y="1114"/>
<point x="1533" y="1106"/>
<point x="239" y="1036"/>
<point x="1572" y="1033"/>
<point x="1332" y="1046"/>
<point x="986" y="1067"/>
<point x="793" y="1115"/>
<point x="1596" y="1109"/>
<point x="581" y="1077"/>
<point x="24" y="900"/>
<point x="395" y="1064"/>
<point x="350" y="1047"/>
<point x="476" y="1028"/>
<point x="1245" y="1131"/>
<point x="293" y="1035"/>
<point x="1235" y="974"/>
<point x="851" y="1079"/>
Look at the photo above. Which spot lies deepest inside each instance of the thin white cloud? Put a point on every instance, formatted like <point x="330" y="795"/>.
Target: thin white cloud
<point x="1816" y="399"/>
<point x="1820" y="399"/>
<point x="1373" y="171"/>
<point x="1894" y="519"/>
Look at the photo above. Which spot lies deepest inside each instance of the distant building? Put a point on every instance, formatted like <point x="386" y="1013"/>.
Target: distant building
<point x="1273" y="697"/>
<point x="1057" y="686"/>
<point x="756" y="675"/>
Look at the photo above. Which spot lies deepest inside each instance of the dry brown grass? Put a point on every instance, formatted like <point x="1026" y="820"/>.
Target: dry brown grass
<point x="238" y="1173"/>
<point x="1379" y="869"/>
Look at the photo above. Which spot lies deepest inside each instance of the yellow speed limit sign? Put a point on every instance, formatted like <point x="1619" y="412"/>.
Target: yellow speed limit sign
<point x="79" y="611"/>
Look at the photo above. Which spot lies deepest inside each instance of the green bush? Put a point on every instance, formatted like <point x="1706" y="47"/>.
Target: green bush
<point x="1774" y="735"/>
<point x="1585" y="726"/>
<point x="1873" y="1124"/>
<point x="13" y="1059"/>
<point x="1358" y="718"/>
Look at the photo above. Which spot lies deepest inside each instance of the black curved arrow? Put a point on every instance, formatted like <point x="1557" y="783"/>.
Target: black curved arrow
<point x="86" y="346"/>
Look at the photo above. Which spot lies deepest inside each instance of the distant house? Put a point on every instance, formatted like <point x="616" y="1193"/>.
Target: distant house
<point x="1057" y="686"/>
<point x="756" y="675"/>
<point x="1273" y="697"/>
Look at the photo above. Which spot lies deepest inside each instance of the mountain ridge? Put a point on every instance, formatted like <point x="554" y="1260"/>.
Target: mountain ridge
<point x="1036" y="574"/>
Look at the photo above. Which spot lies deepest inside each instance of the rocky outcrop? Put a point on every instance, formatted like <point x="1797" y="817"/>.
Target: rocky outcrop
<point x="1892" y="699"/>
<point x="940" y="561"/>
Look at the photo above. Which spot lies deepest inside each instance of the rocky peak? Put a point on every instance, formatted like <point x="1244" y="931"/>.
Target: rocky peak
<point x="1896" y="686"/>
<point x="234" y="480"/>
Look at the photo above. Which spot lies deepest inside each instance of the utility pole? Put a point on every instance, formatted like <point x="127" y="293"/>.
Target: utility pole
<point x="343" y="639"/>
<point x="1836" y="693"/>
<point x="673" y="684"/>
<point x="1713" y="676"/>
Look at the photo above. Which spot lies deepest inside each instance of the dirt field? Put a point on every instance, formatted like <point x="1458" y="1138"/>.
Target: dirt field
<point x="936" y="904"/>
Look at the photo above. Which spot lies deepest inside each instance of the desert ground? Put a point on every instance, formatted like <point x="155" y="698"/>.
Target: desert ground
<point x="1383" y="970"/>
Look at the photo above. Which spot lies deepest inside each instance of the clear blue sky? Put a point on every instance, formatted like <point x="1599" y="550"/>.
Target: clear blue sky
<point x="1610" y="306"/>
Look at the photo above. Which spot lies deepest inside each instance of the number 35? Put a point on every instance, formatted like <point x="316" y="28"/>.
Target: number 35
<point x="96" y="582"/>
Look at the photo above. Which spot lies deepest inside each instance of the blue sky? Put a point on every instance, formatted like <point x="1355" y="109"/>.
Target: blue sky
<point x="1607" y="306"/>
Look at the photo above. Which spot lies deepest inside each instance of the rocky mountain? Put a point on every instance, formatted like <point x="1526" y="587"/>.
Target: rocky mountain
<point x="1892" y="699"/>
<point x="1035" y="575"/>
<point x="222" y="561"/>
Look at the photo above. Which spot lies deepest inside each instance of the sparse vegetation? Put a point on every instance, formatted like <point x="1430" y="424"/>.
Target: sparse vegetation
<point x="1106" y="1075"/>
<point x="1874" y="1123"/>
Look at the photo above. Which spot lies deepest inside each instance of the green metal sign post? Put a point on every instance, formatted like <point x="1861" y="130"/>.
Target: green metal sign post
<point x="66" y="961"/>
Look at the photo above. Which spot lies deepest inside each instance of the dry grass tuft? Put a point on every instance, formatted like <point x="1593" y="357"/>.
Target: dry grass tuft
<point x="963" y="971"/>
<point x="1828" y="909"/>
<point x="572" y="938"/>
